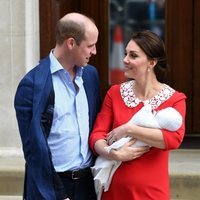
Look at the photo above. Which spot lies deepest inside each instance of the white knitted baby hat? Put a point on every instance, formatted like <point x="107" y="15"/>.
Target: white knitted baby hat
<point x="169" y="119"/>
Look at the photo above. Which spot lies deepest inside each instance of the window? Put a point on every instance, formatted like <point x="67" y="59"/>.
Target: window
<point x="127" y="16"/>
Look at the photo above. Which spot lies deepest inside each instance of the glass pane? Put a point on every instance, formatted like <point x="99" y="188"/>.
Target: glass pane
<point x="127" y="16"/>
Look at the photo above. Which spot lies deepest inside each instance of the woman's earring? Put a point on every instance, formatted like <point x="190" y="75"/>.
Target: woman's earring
<point x="148" y="69"/>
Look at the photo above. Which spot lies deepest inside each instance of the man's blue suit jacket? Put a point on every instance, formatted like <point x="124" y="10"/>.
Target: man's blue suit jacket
<point x="30" y="100"/>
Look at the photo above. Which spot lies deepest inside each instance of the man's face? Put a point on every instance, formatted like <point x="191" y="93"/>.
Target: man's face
<point x="86" y="48"/>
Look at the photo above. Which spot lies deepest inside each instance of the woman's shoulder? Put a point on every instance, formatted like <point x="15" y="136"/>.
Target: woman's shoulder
<point x="121" y="86"/>
<point x="177" y="95"/>
<point x="126" y="84"/>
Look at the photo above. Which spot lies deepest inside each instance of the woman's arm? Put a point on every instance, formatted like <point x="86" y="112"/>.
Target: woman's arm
<point x="160" y="138"/>
<point x="103" y="124"/>
<point x="125" y="153"/>
<point x="152" y="137"/>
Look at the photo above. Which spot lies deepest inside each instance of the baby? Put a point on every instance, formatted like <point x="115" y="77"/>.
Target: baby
<point x="103" y="170"/>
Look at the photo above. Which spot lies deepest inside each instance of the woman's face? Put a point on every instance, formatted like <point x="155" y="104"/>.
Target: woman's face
<point x="136" y="62"/>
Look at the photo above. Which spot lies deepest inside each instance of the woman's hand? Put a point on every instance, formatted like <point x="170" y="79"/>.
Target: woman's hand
<point x="127" y="152"/>
<point x="117" y="133"/>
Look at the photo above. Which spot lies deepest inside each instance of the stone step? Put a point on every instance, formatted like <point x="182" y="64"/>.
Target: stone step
<point x="185" y="187"/>
<point x="184" y="167"/>
<point x="11" y="175"/>
<point x="2" y="197"/>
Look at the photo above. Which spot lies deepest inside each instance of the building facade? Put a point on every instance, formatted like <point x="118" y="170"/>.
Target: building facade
<point x="27" y="34"/>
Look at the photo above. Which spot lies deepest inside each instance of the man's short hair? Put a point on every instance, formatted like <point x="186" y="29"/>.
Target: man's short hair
<point x="69" y="28"/>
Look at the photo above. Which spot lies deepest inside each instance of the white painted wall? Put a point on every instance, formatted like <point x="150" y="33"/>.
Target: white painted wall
<point x="19" y="47"/>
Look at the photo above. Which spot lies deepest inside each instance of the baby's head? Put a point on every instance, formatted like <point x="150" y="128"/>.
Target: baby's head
<point x="169" y="119"/>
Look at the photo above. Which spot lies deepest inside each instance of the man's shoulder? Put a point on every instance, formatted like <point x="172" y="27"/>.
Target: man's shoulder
<point x="40" y="71"/>
<point x="90" y="68"/>
<point x="42" y="67"/>
<point x="90" y="71"/>
<point x="43" y="64"/>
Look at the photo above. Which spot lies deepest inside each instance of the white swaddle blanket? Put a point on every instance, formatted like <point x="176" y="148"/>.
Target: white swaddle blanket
<point x="103" y="170"/>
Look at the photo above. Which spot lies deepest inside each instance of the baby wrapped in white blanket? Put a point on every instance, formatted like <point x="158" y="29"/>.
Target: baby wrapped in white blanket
<point x="103" y="170"/>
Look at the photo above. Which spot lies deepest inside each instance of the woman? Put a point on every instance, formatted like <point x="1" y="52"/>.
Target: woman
<point x="143" y="174"/>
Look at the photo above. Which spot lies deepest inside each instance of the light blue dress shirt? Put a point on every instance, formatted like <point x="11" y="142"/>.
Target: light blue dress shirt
<point x="68" y="139"/>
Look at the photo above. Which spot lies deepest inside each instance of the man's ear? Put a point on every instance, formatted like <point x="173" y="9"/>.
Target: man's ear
<point x="70" y="42"/>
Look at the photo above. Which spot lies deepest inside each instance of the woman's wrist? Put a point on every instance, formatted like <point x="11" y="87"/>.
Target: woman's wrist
<point x="114" y="155"/>
<point x="130" y="129"/>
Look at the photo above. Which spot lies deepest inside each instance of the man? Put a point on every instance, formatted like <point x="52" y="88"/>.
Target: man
<point x="56" y="104"/>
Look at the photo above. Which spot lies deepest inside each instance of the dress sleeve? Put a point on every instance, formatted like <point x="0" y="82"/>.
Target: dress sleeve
<point x="174" y="139"/>
<point x="104" y="121"/>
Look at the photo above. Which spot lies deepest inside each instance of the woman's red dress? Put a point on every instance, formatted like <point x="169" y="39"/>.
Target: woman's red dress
<point x="147" y="177"/>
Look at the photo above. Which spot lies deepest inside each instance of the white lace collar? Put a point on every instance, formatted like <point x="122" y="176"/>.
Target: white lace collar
<point x="129" y="98"/>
